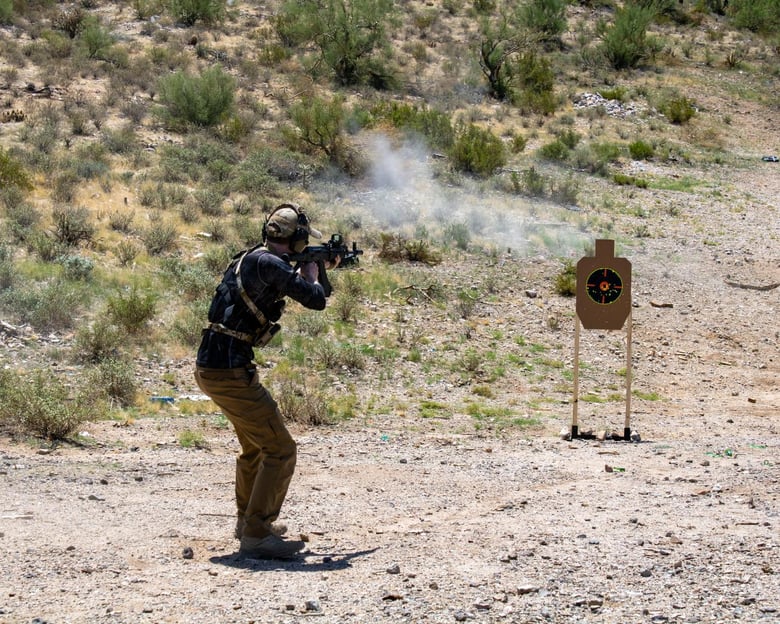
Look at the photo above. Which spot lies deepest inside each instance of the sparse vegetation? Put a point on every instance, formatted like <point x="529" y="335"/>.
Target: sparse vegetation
<point x="37" y="403"/>
<point x="96" y="204"/>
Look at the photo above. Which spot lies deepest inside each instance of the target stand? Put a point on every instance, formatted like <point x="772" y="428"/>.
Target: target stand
<point x="603" y="302"/>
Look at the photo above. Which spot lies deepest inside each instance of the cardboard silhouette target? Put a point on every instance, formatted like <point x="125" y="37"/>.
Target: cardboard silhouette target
<point x="603" y="302"/>
<point x="603" y="288"/>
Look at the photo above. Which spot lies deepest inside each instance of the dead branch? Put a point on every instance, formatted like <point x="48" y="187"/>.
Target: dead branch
<point x="752" y="286"/>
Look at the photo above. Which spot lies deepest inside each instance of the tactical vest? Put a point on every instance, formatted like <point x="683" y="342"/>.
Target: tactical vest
<point x="231" y="301"/>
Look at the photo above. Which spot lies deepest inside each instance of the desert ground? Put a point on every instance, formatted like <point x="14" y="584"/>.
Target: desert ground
<point x="434" y="520"/>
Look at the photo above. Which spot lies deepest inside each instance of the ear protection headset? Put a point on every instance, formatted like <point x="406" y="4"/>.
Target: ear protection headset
<point x="299" y="239"/>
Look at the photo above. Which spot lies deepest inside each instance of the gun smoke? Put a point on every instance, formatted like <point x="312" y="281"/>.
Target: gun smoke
<point x="406" y="194"/>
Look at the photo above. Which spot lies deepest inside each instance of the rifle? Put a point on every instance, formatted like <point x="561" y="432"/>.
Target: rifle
<point x="328" y="253"/>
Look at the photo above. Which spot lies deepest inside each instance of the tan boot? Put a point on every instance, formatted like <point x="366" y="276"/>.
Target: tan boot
<point x="277" y="528"/>
<point x="269" y="547"/>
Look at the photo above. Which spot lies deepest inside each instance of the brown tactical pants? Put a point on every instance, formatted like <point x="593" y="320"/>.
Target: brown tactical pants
<point x="268" y="453"/>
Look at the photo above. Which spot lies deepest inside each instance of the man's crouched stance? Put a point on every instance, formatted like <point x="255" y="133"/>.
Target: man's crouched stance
<point x="243" y="315"/>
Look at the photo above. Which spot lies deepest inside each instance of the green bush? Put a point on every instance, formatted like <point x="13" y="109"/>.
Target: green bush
<point x="397" y="248"/>
<point x="189" y="323"/>
<point x="203" y="100"/>
<point x="625" y="44"/>
<point x="569" y="138"/>
<point x="566" y="279"/>
<point x="72" y="225"/>
<point x="200" y="158"/>
<point x="7" y="270"/>
<point x="434" y="125"/>
<point x="188" y="12"/>
<point x="565" y="191"/>
<point x="478" y="151"/>
<point x="120" y="141"/>
<point x="70" y="21"/>
<point x="47" y="248"/>
<point x="77" y="268"/>
<point x="319" y="126"/>
<point x="762" y="16"/>
<point x="114" y="377"/>
<point x="546" y="17"/>
<point x="351" y="36"/>
<point x="97" y="342"/>
<point x="556" y="151"/>
<point x="95" y="39"/>
<point x="640" y="150"/>
<point x="48" y="306"/>
<point x="6" y="11"/>
<point x="160" y="238"/>
<point x="131" y="310"/>
<point x="613" y="93"/>
<point x="533" y="183"/>
<point x="459" y="233"/>
<point x="12" y="173"/>
<point x="533" y="81"/>
<point x="195" y="280"/>
<point x="126" y="252"/>
<point x="678" y="109"/>
<point x="38" y="403"/>
<point x="595" y="158"/>
<point x="22" y="218"/>
<point x="622" y="179"/>
<point x="299" y="400"/>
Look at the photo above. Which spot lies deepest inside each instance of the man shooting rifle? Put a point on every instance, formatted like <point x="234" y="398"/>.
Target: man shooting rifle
<point x="244" y="312"/>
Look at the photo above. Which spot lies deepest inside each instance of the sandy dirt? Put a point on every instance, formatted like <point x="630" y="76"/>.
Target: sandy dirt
<point x="415" y="519"/>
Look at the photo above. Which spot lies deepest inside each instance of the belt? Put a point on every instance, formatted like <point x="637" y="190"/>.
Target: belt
<point x="242" y="336"/>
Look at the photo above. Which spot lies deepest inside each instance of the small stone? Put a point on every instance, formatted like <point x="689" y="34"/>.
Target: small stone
<point x="531" y="294"/>
<point x="187" y="553"/>
<point x="646" y="573"/>
<point x="312" y="605"/>
<point x="394" y="569"/>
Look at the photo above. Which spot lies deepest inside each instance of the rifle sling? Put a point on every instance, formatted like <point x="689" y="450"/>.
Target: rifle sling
<point x="249" y="303"/>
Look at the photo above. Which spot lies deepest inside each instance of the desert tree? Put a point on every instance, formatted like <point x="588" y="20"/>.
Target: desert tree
<point x="350" y="35"/>
<point x="502" y="37"/>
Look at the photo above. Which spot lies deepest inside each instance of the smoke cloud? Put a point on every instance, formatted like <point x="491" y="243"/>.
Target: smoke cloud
<point x="404" y="195"/>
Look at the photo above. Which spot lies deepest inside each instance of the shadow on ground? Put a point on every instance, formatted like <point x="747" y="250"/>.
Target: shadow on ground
<point x="306" y="561"/>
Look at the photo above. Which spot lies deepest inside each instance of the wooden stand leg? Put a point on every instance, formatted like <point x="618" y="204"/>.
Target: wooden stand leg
<point x="576" y="398"/>
<point x="627" y="423"/>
